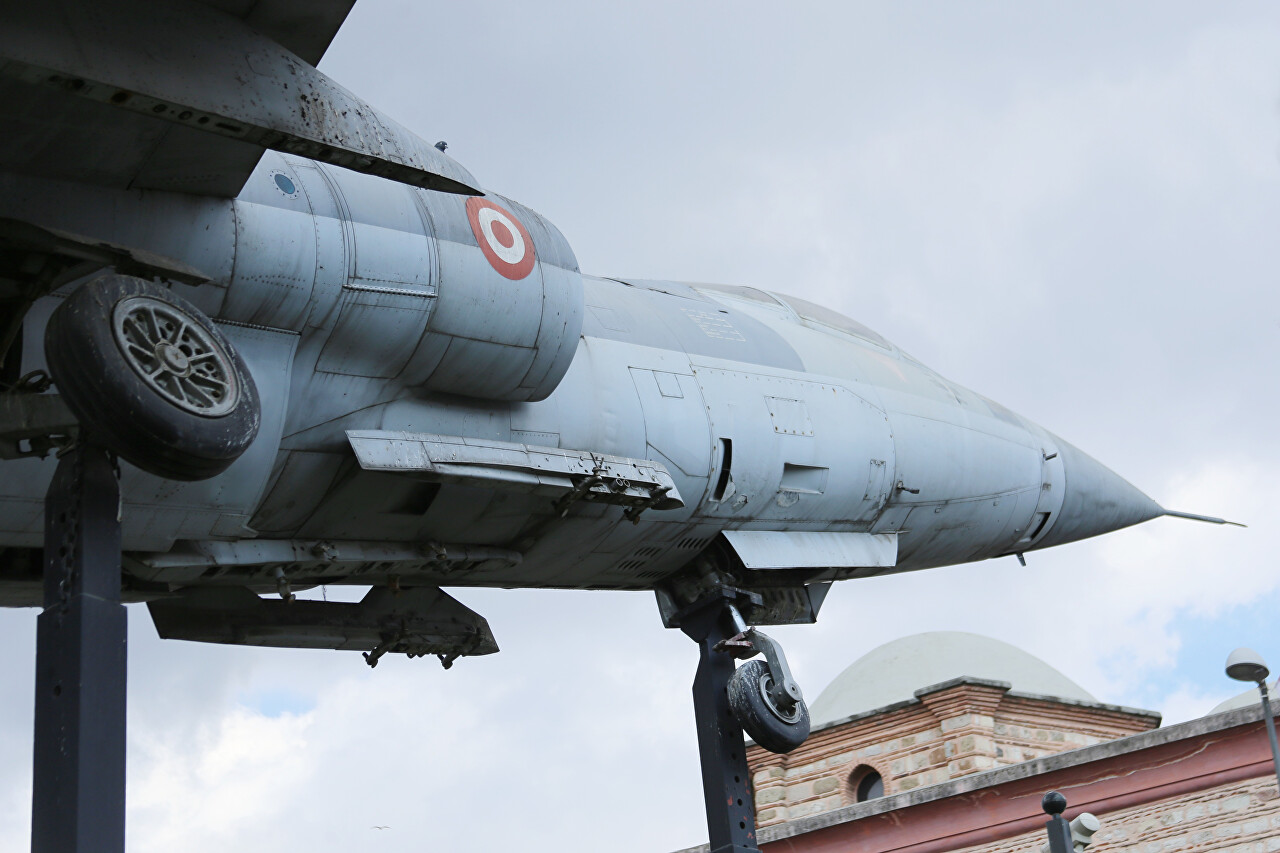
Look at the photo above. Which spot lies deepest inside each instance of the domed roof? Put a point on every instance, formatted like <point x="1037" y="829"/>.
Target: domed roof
<point x="893" y="672"/>
<point x="1241" y="700"/>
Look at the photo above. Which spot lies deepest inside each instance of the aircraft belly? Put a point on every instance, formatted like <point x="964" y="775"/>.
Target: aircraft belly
<point x="376" y="506"/>
<point x="300" y="482"/>
<point x="962" y="530"/>
<point x="631" y="400"/>
<point x="610" y="402"/>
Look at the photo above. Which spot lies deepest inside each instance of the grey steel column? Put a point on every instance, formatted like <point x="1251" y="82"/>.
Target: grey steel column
<point x="731" y="810"/>
<point x="1271" y="727"/>
<point x="78" y="779"/>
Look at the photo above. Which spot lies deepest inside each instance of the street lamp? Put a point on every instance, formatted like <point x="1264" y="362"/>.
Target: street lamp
<point x="1247" y="665"/>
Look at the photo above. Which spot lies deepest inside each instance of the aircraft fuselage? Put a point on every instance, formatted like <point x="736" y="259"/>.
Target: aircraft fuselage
<point x="361" y="304"/>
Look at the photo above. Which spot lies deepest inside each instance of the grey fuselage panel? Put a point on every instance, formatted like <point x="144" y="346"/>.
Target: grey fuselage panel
<point x="363" y="304"/>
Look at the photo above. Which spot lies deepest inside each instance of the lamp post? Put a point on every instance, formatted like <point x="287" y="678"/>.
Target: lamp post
<point x="1064" y="837"/>
<point x="1054" y="804"/>
<point x="1245" y="664"/>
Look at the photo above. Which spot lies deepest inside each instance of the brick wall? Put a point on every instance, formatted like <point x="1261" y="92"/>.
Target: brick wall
<point x="949" y="730"/>
<point x="1243" y="817"/>
<point x="1202" y="786"/>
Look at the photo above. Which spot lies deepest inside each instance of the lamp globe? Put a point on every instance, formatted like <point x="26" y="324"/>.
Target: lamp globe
<point x="1244" y="664"/>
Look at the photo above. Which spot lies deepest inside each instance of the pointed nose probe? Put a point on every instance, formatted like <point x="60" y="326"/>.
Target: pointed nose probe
<point x="1097" y="500"/>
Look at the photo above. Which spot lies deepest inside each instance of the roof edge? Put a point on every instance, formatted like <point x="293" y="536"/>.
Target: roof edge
<point x="1035" y="767"/>
<point x="984" y="682"/>
<point x="966" y="680"/>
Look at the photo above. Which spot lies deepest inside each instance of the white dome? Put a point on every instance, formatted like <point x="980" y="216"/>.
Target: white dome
<point x="1242" y="700"/>
<point x="893" y="672"/>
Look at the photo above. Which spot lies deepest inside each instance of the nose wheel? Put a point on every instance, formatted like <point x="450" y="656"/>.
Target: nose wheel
<point x="759" y="697"/>
<point x="769" y="721"/>
<point x="763" y="696"/>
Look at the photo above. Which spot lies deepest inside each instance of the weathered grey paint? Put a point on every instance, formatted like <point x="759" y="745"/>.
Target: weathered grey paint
<point x="368" y="307"/>
<point x="230" y="90"/>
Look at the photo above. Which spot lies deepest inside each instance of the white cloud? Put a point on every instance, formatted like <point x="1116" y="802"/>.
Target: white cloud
<point x="235" y="776"/>
<point x="1188" y="703"/>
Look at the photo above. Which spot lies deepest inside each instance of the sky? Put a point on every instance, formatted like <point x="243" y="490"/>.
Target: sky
<point x="1069" y="208"/>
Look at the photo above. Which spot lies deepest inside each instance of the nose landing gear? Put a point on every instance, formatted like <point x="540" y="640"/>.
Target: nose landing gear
<point x="766" y="701"/>
<point x="760" y="697"/>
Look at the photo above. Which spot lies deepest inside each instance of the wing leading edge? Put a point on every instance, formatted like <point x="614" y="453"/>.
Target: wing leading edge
<point x="185" y="96"/>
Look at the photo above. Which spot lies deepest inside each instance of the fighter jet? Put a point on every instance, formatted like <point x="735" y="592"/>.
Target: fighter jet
<point x="325" y="353"/>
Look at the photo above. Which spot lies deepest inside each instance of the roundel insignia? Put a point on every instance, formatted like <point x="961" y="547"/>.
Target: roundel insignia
<point x="504" y="241"/>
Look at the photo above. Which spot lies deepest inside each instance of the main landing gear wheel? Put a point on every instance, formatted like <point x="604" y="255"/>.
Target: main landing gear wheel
<point x="768" y="721"/>
<point x="150" y="377"/>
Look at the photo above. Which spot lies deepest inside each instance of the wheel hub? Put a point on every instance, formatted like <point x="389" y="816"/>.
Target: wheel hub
<point x="788" y="716"/>
<point x="176" y="356"/>
<point x="174" y="359"/>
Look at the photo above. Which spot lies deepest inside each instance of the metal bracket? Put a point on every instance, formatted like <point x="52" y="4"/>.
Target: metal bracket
<point x="656" y="496"/>
<point x="389" y="641"/>
<point x="580" y="491"/>
<point x="39" y="421"/>
<point x="282" y="585"/>
<point x="765" y="605"/>
<point x="748" y="643"/>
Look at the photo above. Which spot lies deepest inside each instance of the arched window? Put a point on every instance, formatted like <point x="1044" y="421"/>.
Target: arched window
<point x="865" y="784"/>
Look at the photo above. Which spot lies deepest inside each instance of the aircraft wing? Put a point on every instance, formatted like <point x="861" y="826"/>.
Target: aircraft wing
<point x="305" y="28"/>
<point x="185" y="96"/>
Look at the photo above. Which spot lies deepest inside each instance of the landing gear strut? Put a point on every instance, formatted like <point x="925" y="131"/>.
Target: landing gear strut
<point x="761" y="697"/>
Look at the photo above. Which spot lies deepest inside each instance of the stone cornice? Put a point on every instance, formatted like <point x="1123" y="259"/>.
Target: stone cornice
<point x="1056" y="700"/>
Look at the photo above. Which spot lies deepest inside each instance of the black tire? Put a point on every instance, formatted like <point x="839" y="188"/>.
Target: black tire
<point x="198" y="411"/>
<point x="766" y="724"/>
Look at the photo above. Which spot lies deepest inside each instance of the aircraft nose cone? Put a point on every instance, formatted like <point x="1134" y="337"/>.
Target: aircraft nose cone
<point x="1097" y="500"/>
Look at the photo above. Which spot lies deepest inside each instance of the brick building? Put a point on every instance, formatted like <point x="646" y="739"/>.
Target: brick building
<point x="946" y="742"/>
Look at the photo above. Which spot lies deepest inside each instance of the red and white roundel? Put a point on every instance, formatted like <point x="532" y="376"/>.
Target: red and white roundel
<point x="501" y="237"/>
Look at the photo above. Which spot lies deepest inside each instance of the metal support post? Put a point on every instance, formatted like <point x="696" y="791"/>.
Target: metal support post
<point x="1060" y="841"/>
<point x="725" y="788"/>
<point x="1271" y="727"/>
<point x="78" y="779"/>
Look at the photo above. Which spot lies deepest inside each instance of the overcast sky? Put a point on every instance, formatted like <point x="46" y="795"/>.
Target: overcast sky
<point x="1070" y="208"/>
